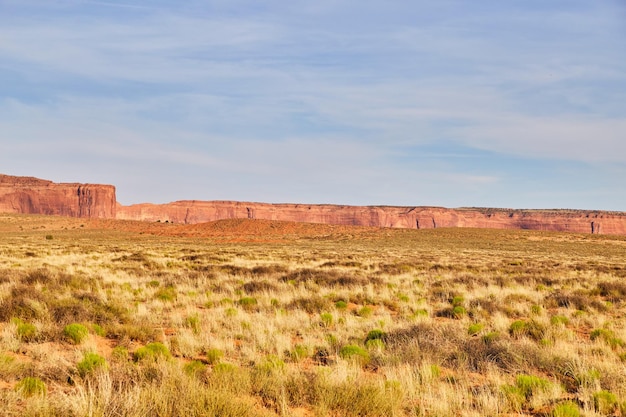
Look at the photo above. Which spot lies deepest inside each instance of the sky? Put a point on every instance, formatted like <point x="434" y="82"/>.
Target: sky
<point x="491" y="103"/>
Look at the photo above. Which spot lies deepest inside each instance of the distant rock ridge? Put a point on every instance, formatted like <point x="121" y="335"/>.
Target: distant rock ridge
<point x="30" y="195"/>
<point x="35" y="196"/>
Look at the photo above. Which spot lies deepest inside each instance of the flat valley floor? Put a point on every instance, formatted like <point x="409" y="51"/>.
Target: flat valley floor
<point x="260" y="318"/>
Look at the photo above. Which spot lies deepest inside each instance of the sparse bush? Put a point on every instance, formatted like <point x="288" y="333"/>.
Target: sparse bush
<point x="365" y="311"/>
<point x="152" y="351"/>
<point x="605" y="402"/>
<point x="166" y="294"/>
<point x="193" y="322"/>
<point x="566" y="409"/>
<point x="355" y="353"/>
<point x="76" y="333"/>
<point x="248" y="303"/>
<point x="326" y="319"/>
<point x="31" y="386"/>
<point x="608" y="336"/>
<point x="532" y="329"/>
<point x="195" y="368"/>
<point x="375" y="334"/>
<point x="475" y="328"/>
<point x="90" y="363"/>
<point x="213" y="356"/>
<point x="299" y="352"/>
<point x="26" y="332"/>
<point x="530" y="384"/>
<point x="559" y="320"/>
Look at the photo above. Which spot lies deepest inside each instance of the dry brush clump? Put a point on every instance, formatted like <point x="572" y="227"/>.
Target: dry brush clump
<point x="400" y="323"/>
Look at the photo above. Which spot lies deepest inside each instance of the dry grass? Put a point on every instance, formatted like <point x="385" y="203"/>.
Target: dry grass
<point x="259" y="318"/>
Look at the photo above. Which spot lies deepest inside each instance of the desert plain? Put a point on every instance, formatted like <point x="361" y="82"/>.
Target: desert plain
<point x="245" y="317"/>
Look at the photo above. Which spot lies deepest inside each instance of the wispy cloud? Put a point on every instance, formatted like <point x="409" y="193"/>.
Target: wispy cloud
<point x="311" y="100"/>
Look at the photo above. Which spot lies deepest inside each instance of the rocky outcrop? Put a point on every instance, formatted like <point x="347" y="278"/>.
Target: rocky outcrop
<point x="34" y="196"/>
<point x="190" y="212"/>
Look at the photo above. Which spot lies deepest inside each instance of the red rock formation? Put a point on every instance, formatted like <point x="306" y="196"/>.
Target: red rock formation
<point x="189" y="212"/>
<point x="34" y="196"/>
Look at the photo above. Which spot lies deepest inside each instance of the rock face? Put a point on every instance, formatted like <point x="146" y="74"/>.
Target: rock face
<point x="189" y="212"/>
<point x="34" y="196"/>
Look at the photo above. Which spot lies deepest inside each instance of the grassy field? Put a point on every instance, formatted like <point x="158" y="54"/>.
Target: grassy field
<point x="252" y="318"/>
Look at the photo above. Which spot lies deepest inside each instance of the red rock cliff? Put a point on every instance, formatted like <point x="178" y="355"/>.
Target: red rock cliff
<point x="34" y="196"/>
<point x="188" y="212"/>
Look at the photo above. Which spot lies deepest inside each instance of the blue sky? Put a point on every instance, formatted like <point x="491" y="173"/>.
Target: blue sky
<point x="493" y="103"/>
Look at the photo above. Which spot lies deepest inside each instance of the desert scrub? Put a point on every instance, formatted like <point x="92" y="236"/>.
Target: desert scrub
<point x="605" y="402"/>
<point x="213" y="356"/>
<point x="76" y="333"/>
<point x="248" y="303"/>
<point x="31" y="386"/>
<point x="193" y="322"/>
<point x="326" y="319"/>
<point x="608" y="336"/>
<point x="566" y="409"/>
<point x="195" y="368"/>
<point x="26" y="332"/>
<point x="90" y="363"/>
<point x="355" y="353"/>
<point x="531" y="328"/>
<point x="475" y="329"/>
<point x="166" y="294"/>
<point x="152" y="352"/>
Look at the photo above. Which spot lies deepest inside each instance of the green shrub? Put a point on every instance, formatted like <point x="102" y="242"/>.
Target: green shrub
<point x="341" y="305"/>
<point x="365" y="311"/>
<point x="119" y="354"/>
<point x="193" y="322"/>
<point x="299" y="352"/>
<point x="605" y="402"/>
<point x="375" y="334"/>
<point x="166" y="294"/>
<point x="491" y="337"/>
<point x="458" y="312"/>
<point x="475" y="329"/>
<point x="152" y="351"/>
<point x="530" y="384"/>
<point x="559" y="320"/>
<point x="457" y="301"/>
<point x="530" y="328"/>
<point x="566" y="409"/>
<point x="327" y="319"/>
<point x="248" y="303"/>
<point x="31" y="386"/>
<point x="195" y="368"/>
<point x="26" y="332"/>
<point x="608" y="336"/>
<point x="76" y="333"/>
<point x="99" y="330"/>
<point x="213" y="356"/>
<point x="271" y="364"/>
<point x="375" y="344"/>
<point x="355" y="353"/>
<point x="90" y="363"/>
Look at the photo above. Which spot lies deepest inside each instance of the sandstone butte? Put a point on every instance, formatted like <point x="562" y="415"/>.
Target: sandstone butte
<point x="29" y="195"/>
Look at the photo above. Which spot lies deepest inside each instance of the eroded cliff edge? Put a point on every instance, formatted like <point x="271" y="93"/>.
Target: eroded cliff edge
<point x="190" y="212"/>
<point x="35" y="196"/>
<point x="30" y="195"/>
